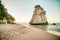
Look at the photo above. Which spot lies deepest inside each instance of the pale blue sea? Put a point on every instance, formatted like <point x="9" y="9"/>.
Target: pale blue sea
<point x="49" y="27"/>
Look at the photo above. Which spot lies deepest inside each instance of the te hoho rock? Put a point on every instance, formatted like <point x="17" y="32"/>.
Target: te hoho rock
<point x="39" y="16"/>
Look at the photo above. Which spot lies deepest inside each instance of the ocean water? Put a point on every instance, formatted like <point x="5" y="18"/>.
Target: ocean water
<point x="49" y="27"/>
<point x="54" y="29"/>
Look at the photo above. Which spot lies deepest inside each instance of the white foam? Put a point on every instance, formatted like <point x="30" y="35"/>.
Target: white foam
<point x="54" y="32"/>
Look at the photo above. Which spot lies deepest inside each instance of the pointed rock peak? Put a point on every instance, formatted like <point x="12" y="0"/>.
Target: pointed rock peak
<point x="39" y="16"/>
<point x="38" y="7"/>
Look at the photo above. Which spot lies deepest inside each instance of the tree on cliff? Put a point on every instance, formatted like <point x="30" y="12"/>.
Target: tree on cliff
<point x="2" y="12"/>
<point x="5" y="14"/>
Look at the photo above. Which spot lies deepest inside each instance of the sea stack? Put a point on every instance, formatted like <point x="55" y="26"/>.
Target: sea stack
<point x="39" y="16"/>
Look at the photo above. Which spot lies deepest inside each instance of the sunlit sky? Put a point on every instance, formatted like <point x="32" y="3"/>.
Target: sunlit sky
<point x="22" y="10"/>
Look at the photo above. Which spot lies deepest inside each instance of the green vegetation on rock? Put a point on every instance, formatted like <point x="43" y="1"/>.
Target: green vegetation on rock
<point x="5" y="15"/>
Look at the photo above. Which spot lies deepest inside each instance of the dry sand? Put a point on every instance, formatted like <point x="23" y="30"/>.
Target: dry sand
<point x="20" y="32"/>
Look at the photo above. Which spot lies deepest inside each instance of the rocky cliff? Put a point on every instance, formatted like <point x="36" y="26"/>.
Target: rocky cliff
<point x="4" y="15"/>
<point x="39" y="16"/>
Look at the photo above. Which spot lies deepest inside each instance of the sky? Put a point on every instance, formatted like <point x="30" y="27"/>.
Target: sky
<point x="22" y="10"/>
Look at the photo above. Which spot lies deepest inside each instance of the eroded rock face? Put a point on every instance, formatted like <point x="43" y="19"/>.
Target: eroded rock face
<point x="39" y="16"/>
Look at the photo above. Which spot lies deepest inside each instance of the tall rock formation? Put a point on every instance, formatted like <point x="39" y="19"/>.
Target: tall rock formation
<point x="39" y="16"/>
<point x="4" y="15"/>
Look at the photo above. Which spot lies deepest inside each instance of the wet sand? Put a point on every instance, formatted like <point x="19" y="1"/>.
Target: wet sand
<point x="21" y="32"/>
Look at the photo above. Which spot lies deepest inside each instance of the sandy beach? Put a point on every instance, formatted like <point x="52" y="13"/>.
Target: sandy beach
<point x="20" y="32"/>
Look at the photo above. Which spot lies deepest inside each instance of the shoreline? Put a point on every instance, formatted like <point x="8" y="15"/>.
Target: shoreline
<point x="54" y="32"/>
<point x="21" y="32"/>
